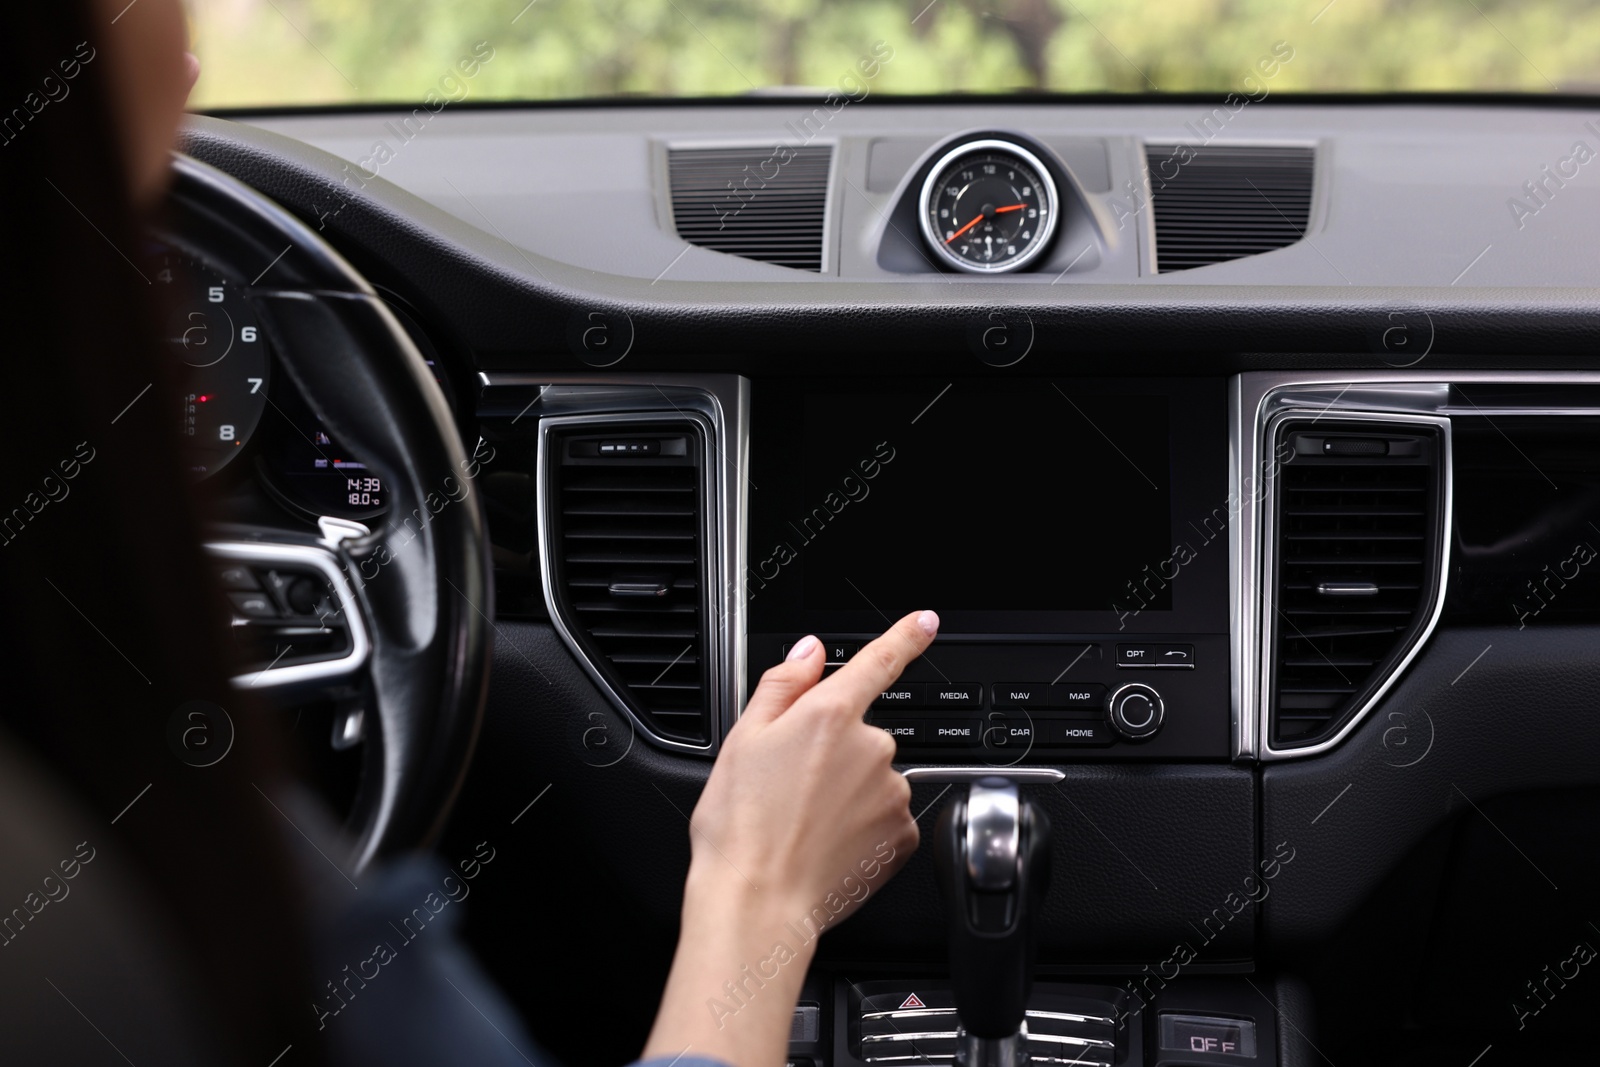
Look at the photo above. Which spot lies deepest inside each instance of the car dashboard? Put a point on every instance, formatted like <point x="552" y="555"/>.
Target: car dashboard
<point x="1247" y="453"/>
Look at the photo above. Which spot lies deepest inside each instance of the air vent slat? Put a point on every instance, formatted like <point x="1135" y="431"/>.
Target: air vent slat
<point x="626" y="521"/>
<point x="1214" y="203"/>
<point x="743" y="202"/>
<point x="1344" y="518"/>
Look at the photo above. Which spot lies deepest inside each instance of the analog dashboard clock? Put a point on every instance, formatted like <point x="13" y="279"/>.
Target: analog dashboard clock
<point x="988" y="207"/>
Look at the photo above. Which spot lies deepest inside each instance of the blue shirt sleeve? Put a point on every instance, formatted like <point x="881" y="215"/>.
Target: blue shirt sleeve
<point x="397" y="986"/>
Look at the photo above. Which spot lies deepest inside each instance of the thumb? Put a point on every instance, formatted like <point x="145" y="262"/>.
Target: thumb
<point x="782" y="685"/>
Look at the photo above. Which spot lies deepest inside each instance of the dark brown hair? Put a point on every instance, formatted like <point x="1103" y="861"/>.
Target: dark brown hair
<point x="111" y="624"/>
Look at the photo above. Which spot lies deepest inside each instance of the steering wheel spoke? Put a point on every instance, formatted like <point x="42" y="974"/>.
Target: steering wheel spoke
<point x="295" y="613"/>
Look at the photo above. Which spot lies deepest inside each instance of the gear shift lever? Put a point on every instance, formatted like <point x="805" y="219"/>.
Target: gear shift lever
<point x="992" y="850"/>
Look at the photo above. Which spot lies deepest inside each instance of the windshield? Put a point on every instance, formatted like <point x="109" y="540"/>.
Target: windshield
<point x="263" y="53"/>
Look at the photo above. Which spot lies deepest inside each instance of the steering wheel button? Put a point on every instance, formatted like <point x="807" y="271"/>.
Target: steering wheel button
<point x="237" y="578"/>
<point x="254" y="605"/>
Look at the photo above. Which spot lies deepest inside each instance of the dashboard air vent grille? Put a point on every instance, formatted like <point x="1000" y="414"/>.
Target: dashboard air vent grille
<point x="1357" y="540"/>
<point x="744" y="202"/>
<point x="1214" y="203"/>
<point x="628" y="546"/>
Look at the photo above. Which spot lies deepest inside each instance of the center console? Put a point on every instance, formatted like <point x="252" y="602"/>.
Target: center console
<point x="1072" y="536"/>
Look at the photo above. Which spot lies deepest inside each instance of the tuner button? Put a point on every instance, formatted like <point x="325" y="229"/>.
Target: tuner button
<point x="1136" y="712"/>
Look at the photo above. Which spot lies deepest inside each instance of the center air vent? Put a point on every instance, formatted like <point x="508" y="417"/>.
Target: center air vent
<point x="1213" y="203"/>
<point x="627" y="557"/>
<point x="755" y="202"/>
<point x="1356" y="550"/>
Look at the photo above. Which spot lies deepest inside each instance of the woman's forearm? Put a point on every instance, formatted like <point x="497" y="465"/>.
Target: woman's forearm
<point x="736" y="974"/>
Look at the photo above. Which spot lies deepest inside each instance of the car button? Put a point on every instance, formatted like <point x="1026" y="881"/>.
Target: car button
<point x="1009" y="732"/>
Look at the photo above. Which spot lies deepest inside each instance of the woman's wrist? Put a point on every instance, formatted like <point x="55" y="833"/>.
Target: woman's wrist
<point x="743" y="952"/>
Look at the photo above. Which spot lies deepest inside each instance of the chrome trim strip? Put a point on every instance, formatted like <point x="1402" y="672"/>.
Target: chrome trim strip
<point x="909" y="1013"/>
<point x="720" y="403"/>
<point x="923" y="1035"/>
<point x="1019" y="775"/>
<point x="1068" y="1039"/>
<point x="1071" y="1017"/>
<point x="267" y="552"/>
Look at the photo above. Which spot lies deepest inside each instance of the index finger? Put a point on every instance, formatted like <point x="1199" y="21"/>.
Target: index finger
<point x="880" y="662"/>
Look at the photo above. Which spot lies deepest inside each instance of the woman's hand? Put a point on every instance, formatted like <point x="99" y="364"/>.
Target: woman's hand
<point x="803" y="818"/>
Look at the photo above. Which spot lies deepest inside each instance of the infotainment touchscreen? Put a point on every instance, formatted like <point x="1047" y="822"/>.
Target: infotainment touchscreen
<point x="992" y="499"/>
<point x="1008" y="504"/>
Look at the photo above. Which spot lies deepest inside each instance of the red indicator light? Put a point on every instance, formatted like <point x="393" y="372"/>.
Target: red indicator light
<point x="203" y="398"/>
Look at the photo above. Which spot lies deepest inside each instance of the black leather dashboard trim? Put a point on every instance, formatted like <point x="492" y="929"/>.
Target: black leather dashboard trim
<point x="1481" y="712"/>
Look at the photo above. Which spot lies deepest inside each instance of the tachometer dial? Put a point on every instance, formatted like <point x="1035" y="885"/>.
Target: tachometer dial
<point x="988" y="207"/>
<point x="224" y="366"/>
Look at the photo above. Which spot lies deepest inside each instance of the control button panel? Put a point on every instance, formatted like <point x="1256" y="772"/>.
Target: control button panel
<point x="1156" y="656"/>
<point x="998" y="701"/>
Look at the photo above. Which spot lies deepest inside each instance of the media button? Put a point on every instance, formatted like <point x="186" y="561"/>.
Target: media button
<point x="904" y="731"/>
<point x="951" y="731"/>
<point x="1080" y="732"/>
<point x="1155" y="655"/>
<point x="946" y="695"/>
<point x="901" y="695"/>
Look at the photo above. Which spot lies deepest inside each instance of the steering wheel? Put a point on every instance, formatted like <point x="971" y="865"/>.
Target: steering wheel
<point x="413" y="598"/>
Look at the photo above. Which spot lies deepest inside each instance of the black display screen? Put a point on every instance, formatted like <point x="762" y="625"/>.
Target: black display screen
<point x="989" y="497"/>
<point x="1009" y="505"/>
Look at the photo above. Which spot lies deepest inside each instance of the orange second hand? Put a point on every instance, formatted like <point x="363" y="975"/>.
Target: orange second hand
<point x="1010" y="207"/>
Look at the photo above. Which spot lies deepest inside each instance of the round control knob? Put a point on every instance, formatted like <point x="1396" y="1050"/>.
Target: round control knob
<point x="1136" y="712"/>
